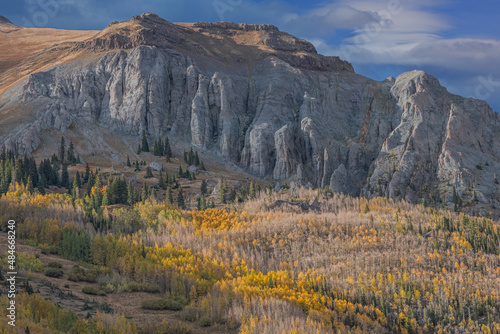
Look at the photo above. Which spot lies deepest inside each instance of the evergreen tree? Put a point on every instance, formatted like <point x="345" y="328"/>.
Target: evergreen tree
<point x="232" y="195"/>
<point x="62" y="149"/>
<point x="41" y="186"/>
<point x="78" y="178"/>
<point x="180" y="199"/>
<point x="181" y="173"/>
<point x="87" y="173"/>
<point x="190" y="157"/>
<point x="18" y="171"/>
<point x="71" y="153"/>
<point x="203" y="187"/>
<point x="64" y="176"/>
<point x="222" y="193"/>
<point x="144" y="142"/>
<point x="105" y="198"/>
<point x="161" y="147"/>
<point x="128" y="162"/>
<point x="76" y="186"/>
<point x="33" y="172"/>
<point x="90" y="183"/>
<point x="202" y="204"/>
<point x="196" y="160"/>
<point x="130" y="194"/>
<point x="161" y="182"/>
<point x="149" y="173"/>
<point x="145" y="192"/>
<point x="212" y="204"/>
<point x="168" y="196"/>
<point x="155" y="148"/>
<point x="252" y="191"/>
<point x="29" y="185"/>
<point x="138" y="151"/>
<point x="97" y="196"/>
<point x="202" y="166"/>
<point x="167" y="149"/>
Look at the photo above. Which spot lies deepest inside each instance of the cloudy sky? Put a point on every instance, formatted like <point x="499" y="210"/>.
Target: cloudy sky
<point x="456" y="41"/>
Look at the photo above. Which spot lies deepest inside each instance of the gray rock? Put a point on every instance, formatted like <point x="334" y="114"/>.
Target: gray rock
<point x="309" y="119"/>
<point x="156" y="165"/>
<point x="193" y="169"/>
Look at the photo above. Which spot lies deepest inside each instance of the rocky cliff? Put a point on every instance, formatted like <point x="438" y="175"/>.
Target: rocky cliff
<point x="267" y="102"/>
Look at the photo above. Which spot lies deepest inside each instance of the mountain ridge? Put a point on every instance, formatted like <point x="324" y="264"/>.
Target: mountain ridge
<point x="265" y="101"/>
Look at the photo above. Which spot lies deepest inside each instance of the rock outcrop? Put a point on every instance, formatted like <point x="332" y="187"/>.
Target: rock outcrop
<point x="273" y="107"/>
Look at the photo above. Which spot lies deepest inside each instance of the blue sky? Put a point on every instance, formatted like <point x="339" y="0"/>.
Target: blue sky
<point x="456" y="41"/>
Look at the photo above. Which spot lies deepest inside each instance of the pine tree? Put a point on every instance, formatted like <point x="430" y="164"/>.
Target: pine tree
<point x="222" y="192"/>
<point x="190" y="157"/>
<point x="144" y="142"/>
<point x="64" y="176"/>
<point x="203" y="187"/>
<point x="145" y="192"/>
<point x="29" y="185"/>
<point x="76" y="186"/>
<point x="212" y="204"/>
<point x="90" y="183"/>
<point x="196" y="160"/>
<point x="97" y="197"/>
<point x="168" y="196"/>
<point x="130" y="194"/>
<point x="202" y="166"/>
<point x="161" y="147"/>
<point x="105" y="197"/>
<point x="252" y="190"/>
<point x="149" y="173"/>
<point x="232" y="195"/>
<point x="62" y="149"/>
<point x="41" y="186"/>
<point x="87" y="173"/>
<point x="128" y="162"/>
<point x="161" y="182"/>
<point x="180" y="199"/>
<point x="167" y="149"/>
<point x="138" y="151"/>
<point x="71" y="153"/>
<point x="202" y="203"/>
<point x="33" y="172"/>
<point x="181" y="173"/>
<point x="18" y="171"/>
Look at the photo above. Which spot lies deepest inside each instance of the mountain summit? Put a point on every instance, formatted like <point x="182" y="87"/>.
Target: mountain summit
<point x="5" y="21"/>
<point x="256" y="98"/>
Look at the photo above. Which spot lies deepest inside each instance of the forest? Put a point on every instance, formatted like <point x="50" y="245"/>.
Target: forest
<point x="244" y="265"/>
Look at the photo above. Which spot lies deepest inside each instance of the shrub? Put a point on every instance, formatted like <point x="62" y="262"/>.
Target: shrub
<point x="79" y="274"/>
<point x="49" y="249"/>
<point x="139" y="287"/>
<point x="29" y="262"/>
<point x="173" y="304"/>
<point x="57" y="273"/>
<point x="191" y="313"/>
<point x="54" y="264"/>
<point x="205" y="321"/>
<point x="166" y="327"/>
<point x="91" y="290"/>
<point x="107" y="287"/>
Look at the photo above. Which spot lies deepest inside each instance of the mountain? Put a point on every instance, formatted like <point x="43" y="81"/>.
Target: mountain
<point x="254" y="97"/>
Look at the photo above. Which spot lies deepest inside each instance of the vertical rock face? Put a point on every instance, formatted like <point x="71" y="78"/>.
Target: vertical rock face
<point x="283" y="120"/>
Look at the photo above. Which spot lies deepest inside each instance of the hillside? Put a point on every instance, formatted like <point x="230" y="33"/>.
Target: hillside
<point x="254" y="98"/>
<point x="349" y="266"/>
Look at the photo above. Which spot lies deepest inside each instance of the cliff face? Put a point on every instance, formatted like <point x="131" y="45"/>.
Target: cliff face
<point x="267" y="102"/>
